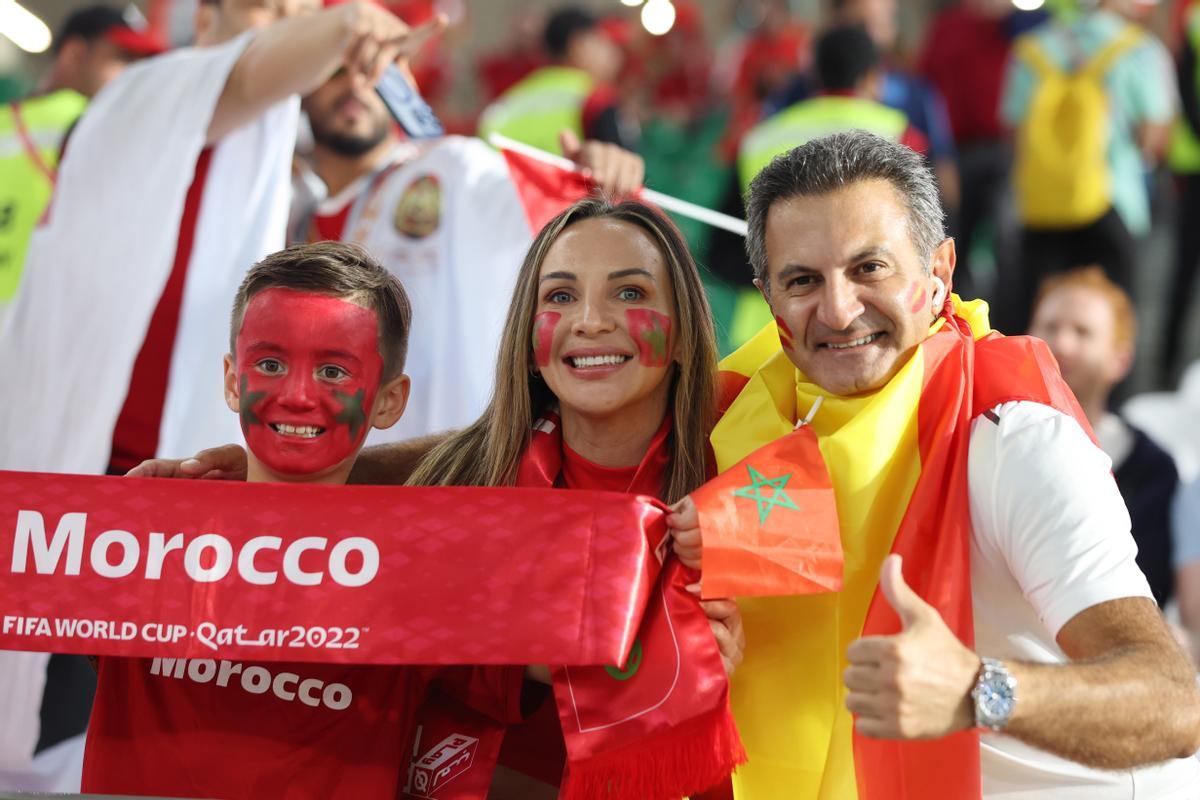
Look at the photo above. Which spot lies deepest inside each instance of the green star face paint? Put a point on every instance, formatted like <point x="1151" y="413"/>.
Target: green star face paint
<point x="308" y="372"/>
<point x="652" y="332"/>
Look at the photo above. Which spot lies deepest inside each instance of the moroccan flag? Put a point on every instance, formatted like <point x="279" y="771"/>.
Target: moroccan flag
<point x="545" y="189"/>
<point x="770" y="523"/>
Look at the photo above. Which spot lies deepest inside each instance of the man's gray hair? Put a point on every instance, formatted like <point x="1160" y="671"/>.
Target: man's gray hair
<point x="832" y="162"/>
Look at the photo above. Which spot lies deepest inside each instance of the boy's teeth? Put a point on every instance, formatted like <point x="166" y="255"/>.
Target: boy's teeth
<point x="597" y="361"/>
<point x="856" y="343"/>
<point x="305" y="431"/>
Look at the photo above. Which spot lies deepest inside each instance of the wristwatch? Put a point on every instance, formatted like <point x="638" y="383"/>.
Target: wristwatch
<point x="995" y="695"/>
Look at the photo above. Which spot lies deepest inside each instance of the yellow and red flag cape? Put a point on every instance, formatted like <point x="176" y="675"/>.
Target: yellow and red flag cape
<point x="897" y="460"/>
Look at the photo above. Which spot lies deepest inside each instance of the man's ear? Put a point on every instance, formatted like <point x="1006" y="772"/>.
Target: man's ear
<point x="761" y="285"/>
<point x="232" y="397"/>
<point x="390" y="402"/>
<point x="945" y="258"/>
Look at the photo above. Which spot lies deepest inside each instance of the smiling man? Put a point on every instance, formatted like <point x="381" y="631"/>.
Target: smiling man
<point x="1028" y="652"/>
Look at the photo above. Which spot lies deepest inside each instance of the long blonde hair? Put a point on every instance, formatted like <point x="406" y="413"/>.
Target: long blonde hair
<point x="488" y="452"/>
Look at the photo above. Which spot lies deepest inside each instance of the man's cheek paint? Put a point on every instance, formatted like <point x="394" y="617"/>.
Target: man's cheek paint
<point x="543" y="336"/>
<point x="916" y="297"/>
<point x="785" y="333"/>
<point x="652" y="332"/>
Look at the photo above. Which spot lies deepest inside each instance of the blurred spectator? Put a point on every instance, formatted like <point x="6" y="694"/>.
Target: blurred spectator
<point x="1183" y="157"/>
<point x="91" y="48"/>
<point x="576" y="91"/>
<point x="1090" y="325"/>
<point x="520" y="55"/>
<point x="898" y="89"/>
<point x="1087" y="98"/>
<point x="1185" y="522"/>
<point x="965" y="53"/>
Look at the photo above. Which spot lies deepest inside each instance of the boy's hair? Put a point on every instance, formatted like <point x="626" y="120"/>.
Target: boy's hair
<point x="345" y="271"/>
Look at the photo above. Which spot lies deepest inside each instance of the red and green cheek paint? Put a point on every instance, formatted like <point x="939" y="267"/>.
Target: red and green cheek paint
<point x="305" y="332"/>
<point x="543" y="336"/>
<point x="652" y="332"/>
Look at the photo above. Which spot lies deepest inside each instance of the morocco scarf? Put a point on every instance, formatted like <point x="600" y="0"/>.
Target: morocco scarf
<point x="897" y="459"/>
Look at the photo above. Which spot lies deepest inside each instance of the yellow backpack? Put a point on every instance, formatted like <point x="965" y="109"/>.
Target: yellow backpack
<point x="1062" y="174"/>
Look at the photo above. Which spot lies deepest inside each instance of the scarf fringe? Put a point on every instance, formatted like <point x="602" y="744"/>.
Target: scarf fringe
<point x="682" y="760"/>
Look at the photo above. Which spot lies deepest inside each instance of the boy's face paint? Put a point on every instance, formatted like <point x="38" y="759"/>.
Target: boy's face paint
<point x="543" y="336"/>
<point x="308" y="372"/>
<point x="652" y="332"/>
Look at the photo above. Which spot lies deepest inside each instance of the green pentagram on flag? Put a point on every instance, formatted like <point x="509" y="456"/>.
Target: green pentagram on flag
<point x="766" y="504"/>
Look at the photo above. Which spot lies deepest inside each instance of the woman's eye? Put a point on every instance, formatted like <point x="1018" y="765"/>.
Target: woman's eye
<point x="269" y="366"/>
<point x="559" y="297"/>
<point x="631" y="293"/>
<point x="332" y="373"/>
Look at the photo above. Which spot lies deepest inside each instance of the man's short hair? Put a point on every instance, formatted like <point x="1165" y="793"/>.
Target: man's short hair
<point x="1093" y="278"/>
<point x="833" y="162"/>
<point x="845" y="55"/>
<point x="90" y="23"/>
<point x="345" y="271"/>
<point x="562" y="26"/>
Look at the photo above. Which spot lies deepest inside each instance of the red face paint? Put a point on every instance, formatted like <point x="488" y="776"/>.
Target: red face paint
<point x="543" y="336"/>
<point x="652" y="332"/>
<point x="916" y="297"/>
<point x="785" y="333"/>
<point x="308" y="372"/>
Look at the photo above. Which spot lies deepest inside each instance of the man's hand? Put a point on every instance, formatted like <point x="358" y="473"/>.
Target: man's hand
<point x="376" y="38"/>
<point x="726" y="622"/>
<point x="227" y="462"/>
<point x="684" y="522"/>
<point x="917" y="683"/>
<point x="614" y="169"/>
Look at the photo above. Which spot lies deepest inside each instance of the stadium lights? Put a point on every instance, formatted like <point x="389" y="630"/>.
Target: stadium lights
<point x="23" y="27"/>
<point x="658" y="16"/>
<point x="1028" y="5"/>
<point x="632" y="3"/>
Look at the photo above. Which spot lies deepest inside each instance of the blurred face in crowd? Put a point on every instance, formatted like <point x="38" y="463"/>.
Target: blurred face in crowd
<point x="350" y="120"/>
<point x="87" y="66"/>
<point x="595" y="53"/>
<point x="603" y="334"/>
<point x="849" y="291"/>
<point x="877" y="16"/>
<point x="224" y="19"/>
<point x="1079" y="324"/>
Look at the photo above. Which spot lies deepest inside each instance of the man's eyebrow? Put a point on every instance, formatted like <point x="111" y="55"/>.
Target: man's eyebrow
<point x="550" y="276"/>
<point x="625" y="273"/>
<point x="872" y="252"/>
<point x="794" y="269"/>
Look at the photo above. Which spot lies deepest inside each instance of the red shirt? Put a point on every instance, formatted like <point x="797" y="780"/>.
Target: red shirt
<point x="209" y="728"/>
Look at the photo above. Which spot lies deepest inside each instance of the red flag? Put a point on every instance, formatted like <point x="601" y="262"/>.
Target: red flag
<point x="545" y="189"/>
<point x="770" y="524"/>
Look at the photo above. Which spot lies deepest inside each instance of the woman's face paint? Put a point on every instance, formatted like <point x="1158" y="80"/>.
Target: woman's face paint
<point x="785" y="333"/>
<point x="652" y="332"/>
<point x="308" y="372"/>
<point x="543" y="336"/>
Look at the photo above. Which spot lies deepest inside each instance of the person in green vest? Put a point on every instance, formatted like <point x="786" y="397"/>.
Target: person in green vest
<point x="849" y="81"/>
<point x="91" y="48"/>
<point x="574" y="92"/>
<point x="1183" y="158"/>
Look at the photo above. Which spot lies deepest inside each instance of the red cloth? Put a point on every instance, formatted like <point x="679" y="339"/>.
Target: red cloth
<point x="162" y="735"/>
<point x="135" y="437"/>
<point x="330" y="227"/>
<point x="965" y="57"/>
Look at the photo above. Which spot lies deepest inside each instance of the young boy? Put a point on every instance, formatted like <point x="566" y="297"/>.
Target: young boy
<point x="318" y="341"/>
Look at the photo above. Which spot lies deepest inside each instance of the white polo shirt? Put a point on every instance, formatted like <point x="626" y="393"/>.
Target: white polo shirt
<point x="1050" y="538"/>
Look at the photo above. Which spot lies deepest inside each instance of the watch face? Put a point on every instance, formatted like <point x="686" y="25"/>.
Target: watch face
<point x="996" y="700"/>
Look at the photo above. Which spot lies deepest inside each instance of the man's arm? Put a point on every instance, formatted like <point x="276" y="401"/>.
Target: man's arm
<point x="295" y="56"/>
<point x="393" y="463"/>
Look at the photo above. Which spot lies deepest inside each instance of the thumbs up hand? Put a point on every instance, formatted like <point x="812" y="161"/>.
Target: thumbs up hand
<point x="915" y="684"/>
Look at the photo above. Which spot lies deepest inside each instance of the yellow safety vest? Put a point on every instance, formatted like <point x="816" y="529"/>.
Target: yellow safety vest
<point x="539" y="106"/>
<point x="1183" y="155"/>
<point x="790" y="128"/>
<point x="31" y="133"/>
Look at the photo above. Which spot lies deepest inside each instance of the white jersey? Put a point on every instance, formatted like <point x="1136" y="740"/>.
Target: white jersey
<point x="446" y="219"/>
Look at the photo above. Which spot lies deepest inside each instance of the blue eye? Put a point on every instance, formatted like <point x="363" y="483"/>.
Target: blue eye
<point x="631" y="293"/>
<point x="559" y="297"/>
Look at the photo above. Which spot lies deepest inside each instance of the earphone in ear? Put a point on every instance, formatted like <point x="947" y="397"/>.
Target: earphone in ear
<point x="939" y="294"/>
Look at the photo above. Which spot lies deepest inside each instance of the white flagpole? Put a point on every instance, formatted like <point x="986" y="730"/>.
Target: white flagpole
<point x="683" y="207"/>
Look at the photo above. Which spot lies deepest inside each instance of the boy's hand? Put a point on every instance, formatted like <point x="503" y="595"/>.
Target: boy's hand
<point x="227" y="462"/>
<point x="684" y="522"/>
<point x="726" y="622"/>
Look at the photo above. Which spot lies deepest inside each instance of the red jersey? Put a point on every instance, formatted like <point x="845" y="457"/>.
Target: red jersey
<point x="228" y="729"/>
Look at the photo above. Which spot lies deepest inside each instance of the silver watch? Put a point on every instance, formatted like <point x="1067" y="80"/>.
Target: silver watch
<point x="995" y="695"/>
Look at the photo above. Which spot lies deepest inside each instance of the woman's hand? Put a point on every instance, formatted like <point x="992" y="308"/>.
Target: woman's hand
<point x="684" y="523"/>
<point x="227" y="462"/>
<point x="726" y="622"/>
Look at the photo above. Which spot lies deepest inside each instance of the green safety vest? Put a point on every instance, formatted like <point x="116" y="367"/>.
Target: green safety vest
<point x="812" y="119"/>
<point x="539" y="106"/>
<point x="1183" y="154"/>
<point x="792" y="127"/>
<point x="26" y="178"/>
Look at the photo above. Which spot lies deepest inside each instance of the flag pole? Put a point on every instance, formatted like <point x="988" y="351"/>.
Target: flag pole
<point x="682" y="207"/>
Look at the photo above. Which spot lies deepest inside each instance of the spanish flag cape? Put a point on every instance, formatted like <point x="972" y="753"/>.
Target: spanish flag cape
<point x="897" y="459"/>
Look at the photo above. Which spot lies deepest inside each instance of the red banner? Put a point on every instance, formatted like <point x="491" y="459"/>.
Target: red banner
<point x="349" y="574"/>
